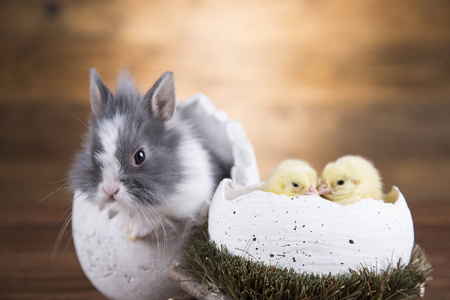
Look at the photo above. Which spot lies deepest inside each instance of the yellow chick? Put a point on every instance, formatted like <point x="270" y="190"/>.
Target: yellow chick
<point x="292" y="177"/>
<point x="350" y="179"/>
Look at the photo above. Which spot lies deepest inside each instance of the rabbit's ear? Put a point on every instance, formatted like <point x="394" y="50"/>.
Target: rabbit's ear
<point x="100" y="93"/>
<point x="162" y="98"/>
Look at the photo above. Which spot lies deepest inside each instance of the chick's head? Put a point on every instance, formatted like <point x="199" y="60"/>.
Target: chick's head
<point x="294" y="183"/>
<point x="350" y="179"/>
<point x="293" y="178"/>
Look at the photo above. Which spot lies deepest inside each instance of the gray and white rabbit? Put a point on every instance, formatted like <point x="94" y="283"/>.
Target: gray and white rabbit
<point x="144" y="155"/>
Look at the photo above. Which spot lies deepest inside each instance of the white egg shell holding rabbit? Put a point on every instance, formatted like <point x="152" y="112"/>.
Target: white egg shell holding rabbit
<point x="309" y="233"/>
<point x="116" y="266"/>
<point x="124" y="269"/>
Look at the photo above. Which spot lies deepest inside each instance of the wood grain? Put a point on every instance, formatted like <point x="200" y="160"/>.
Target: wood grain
<point x="307" y="79"/>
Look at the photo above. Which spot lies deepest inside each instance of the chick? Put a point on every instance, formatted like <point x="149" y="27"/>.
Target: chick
<point x="350" y="179"/>
<point x="292" y="177"/>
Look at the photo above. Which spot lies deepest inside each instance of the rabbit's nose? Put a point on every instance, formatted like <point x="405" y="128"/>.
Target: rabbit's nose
<point x="111" y="189"/>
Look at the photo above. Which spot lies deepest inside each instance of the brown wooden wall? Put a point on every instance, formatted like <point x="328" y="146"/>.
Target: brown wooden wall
<point x="307" y="79"/>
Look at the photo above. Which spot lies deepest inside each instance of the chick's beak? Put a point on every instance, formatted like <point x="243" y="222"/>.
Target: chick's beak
<point x="323" y="190"/>
<point x="311" y="191"/>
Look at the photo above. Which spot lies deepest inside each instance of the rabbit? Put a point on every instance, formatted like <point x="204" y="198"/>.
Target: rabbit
<point x="144" y="155"/>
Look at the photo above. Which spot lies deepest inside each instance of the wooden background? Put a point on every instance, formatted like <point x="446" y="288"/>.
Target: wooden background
<point x="307" y="79"/>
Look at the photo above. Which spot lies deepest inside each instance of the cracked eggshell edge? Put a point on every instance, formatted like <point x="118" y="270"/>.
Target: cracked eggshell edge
<point x="245" y="168"/>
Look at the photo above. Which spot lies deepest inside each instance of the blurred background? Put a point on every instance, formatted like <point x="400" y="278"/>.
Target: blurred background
<point x="307" y="79"/>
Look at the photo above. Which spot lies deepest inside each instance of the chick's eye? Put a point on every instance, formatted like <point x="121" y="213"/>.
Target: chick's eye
<point x="139" y="157"/>
<point x="294" y="184"/>
<point x="341" y="182"/>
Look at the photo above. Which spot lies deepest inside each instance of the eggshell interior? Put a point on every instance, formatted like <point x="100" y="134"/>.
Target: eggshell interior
<point x="309" y="233"/>
<point x="123" y="269"/>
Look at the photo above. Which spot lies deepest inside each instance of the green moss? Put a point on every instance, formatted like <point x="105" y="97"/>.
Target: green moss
<point x="242" y="279"/>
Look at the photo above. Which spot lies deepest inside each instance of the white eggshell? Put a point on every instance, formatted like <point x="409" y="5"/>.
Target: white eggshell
<point x="308" y="233"/>
<point x="116" y="266"/>
<point x="123" y="269"/>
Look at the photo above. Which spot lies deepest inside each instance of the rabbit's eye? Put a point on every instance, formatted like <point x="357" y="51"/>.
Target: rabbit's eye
<point x="139" y="157"/>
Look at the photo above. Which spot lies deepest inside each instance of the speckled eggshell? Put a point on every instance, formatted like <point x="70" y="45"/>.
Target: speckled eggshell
<point x="308" y="233"/>
<point x="124" y="269"/>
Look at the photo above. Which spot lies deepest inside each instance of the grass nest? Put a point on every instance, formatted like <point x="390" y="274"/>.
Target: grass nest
<point x="232" y="277"/>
